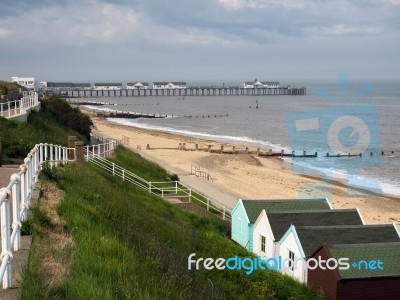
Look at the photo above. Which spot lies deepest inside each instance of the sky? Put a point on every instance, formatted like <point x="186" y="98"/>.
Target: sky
<point x="199" y="40"/>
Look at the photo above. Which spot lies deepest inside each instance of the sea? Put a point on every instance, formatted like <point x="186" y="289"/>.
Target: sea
<point x="268" y="122"/>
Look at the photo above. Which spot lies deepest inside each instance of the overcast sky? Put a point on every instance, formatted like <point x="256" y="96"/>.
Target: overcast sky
<point x="205" y="40"/>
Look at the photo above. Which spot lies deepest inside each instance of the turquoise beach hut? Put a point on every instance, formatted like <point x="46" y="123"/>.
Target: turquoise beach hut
<point x="246" y="212"/>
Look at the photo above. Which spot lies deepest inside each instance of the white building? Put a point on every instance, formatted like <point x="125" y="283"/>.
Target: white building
<point x="28" y="82"/>
<point x="107" y="86"/>
<point x="260" y="84"/>
<point x="40" y="86"/>
<point x="137" y="85"/>
<point x="169" y="85"/>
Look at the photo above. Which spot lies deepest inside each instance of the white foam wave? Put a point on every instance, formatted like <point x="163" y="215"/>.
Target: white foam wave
<point x="376" y="185"/>
<point x="216" y="137"/>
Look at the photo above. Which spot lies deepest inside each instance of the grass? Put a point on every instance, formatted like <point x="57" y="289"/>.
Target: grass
<point x="129" y="244"/>
<point x="152" y="172"/>
<point x="19" y="138"/>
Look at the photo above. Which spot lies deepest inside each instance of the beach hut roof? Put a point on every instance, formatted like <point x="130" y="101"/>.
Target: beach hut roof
<point x="254" y="207"/>
<point x="312" y="237"/>
<point x="281" y="221"/>
<point x="387" y="253"/>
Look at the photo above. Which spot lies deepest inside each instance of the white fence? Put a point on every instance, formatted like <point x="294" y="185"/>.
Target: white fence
<point x="19" y="107"/>
<point x="167" y="189"/>
<point x="19" y="192"/>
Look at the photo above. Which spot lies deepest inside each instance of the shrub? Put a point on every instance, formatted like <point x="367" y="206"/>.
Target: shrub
<point x="66" y="115"/>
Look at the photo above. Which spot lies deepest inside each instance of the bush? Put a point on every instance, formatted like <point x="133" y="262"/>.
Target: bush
<point x="174" y="177"/>
<point x="66" y="115"/>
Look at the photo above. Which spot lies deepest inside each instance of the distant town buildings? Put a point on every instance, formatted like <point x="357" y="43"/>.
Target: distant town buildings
<point x="27" y="82"/>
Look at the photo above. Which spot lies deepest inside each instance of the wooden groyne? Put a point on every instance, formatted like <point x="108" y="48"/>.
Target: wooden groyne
<point x="224" y="149"/>
<point x="129" y="114"/>
<point x="207" y="116"/>
<point x="87" y="102"/>
<point x="181" y="92"/>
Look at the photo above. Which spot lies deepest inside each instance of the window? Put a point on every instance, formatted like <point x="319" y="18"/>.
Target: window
<point x="262" y="243"/>
<point x="291" y="261"/>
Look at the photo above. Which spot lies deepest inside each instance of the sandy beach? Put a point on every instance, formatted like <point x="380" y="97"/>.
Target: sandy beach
<point x="248" y="175"/>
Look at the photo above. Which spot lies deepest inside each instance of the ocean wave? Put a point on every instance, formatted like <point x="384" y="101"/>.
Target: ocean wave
<point x="215" y="137"/>
<point x="369" y="183"/>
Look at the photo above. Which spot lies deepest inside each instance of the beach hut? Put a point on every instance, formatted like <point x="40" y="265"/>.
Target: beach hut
<point x="374" y="272"/>
<point x="300" y="242"/>
<point x="246" y="212"/>
<point x="270" y="226"/>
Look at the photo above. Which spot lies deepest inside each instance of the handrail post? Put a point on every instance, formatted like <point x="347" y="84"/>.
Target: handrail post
<point x="51" y="155"/>
<point x="190" y="195"/>
<point x="26" y="180"/>
<point x="41" y="153"/>
<point x="16" y="211"/>
<point x="59" y="154"/>
<point x="23" y="192"/>
<point x="223" y="213"/>
<point x="36" y="164"/>
<point x="6" y="239"/>
<point x="45" y="151"/>
<point x="123" y="174"/>
<point x="176" y="187"/>
<point x="113" y="169"/>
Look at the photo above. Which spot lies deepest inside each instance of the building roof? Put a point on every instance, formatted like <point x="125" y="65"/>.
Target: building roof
<point x="312" y="237"/>
<point x="261" y="82"/>
<point x="66" y="85"/>
<point x="167" y="82"/>
<point x="136" y="82"/>
<point x="254" y="207"/>
<point x="281" y="221"/>
<point x="387" y="253"/>
<point x="108" y="84"/>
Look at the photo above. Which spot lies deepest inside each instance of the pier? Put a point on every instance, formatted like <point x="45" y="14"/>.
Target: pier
<point x="181" y="92"/>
